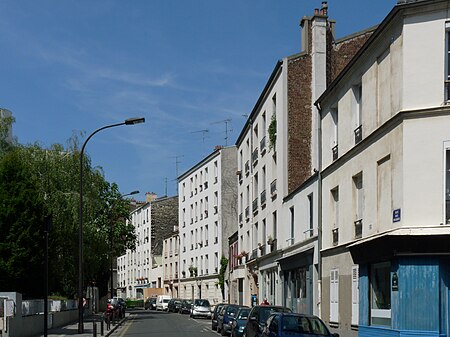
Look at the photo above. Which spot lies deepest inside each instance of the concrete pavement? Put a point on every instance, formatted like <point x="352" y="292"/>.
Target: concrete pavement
<point x="72" y="329"/>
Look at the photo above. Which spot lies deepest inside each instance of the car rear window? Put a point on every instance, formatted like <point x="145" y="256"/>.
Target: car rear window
<point x="202" y="303"/>
<point x="243" y="314"/>
<point x="266" y="311"/>
<point x="309" y="325"/>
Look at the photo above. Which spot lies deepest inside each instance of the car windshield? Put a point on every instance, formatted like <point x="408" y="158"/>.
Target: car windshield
<point x="231" y="310"/>
<point x="166" y="300"/>
<point x="304" y="324"/>
<point x="243" y="314"/>
<point x="202" y="303"/>
<point x="266" y="311"/>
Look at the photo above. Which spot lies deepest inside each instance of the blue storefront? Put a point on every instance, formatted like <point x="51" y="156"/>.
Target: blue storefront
<point x="404" y="283"/>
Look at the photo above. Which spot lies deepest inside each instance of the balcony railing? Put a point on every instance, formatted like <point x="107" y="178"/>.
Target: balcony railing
<point x="253" y="255"/>
<point x="255" y="205"/>
<point x="335" y="235"/>
<point x="263" y="198"/>
<point x="358" y="228"/>
<point x="358" y="134"/>
<point x="255" y="156"/>
<point x="335" y="152"/>
<point x="262" y="145"/>
<point x="273" y="188"/>
<point x="247" y="168"/>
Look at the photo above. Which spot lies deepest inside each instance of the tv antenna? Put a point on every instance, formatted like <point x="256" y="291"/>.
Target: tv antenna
<point x="177" y="161"/>
<point x="204" y="132"/>
<point x="226" y="121"/>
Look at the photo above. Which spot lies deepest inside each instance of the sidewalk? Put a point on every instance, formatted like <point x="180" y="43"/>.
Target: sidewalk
<point x="72" y="329"/>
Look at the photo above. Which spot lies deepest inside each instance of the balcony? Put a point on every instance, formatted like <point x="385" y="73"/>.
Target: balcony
<point x="273" y="188"/>
<point x="247" y="213"/>
<point x="358" y="134"/>
<point x="262" y="145"/>
<point x="334" y="150"/>
<point x="255" y="206"/>
<point x="358" y="228"/>
<point x="253" y="255"/>
<point x="247" y="168"/>
<point x="335" y="236"/>
<point x="255" y="156"/>
<point x="263" y="198"/>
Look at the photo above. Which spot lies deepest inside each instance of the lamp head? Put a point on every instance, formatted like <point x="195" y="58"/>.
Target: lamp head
<point x="135" y="120"/>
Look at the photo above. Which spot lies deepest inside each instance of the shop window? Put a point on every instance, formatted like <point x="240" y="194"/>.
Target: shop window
<point x="380" y="293"/>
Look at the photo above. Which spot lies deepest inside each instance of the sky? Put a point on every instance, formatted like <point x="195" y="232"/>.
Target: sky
<point x="71" y="67"/>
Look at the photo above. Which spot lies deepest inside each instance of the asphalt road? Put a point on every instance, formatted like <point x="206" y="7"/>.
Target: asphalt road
<point x="142" y="323"/>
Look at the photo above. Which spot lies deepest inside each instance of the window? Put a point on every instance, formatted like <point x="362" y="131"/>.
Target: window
<point x="447" y="60"/>
<point x="334" y="295"/>
<point x="447" y="184"/>
<point x="380" y="293"/>
<point x="335" y="133"/>
<point x="358" y="196"/>
<point x="311" y="214"/>
<point x="335" y="214"/>
<point x="357" y="109"/>
<point x="291" y="240"/>
<point x="355" y="295"/>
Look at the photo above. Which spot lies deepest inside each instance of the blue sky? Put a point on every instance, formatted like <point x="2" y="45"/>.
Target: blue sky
<point x="74" y="66"/>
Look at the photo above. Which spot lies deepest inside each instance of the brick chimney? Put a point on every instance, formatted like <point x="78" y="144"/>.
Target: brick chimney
<point x="150" y="196"/>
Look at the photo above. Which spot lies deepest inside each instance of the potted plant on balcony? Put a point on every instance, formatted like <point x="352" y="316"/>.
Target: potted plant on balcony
<point x="270" y="240"/>
<point x="193" y="271"/>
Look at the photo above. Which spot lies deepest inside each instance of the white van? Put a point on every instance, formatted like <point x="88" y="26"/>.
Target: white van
<point x="162" y="301"/>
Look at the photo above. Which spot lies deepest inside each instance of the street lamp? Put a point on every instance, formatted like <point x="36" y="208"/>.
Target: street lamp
<point x="111" y="244"/>
<point x="129" y="121"/>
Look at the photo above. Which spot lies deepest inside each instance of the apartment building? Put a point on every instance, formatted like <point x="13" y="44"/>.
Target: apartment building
<point x="207" y="213"/>
<point x="276" y="253"/>
<point x="171" y="261"/>
<point x="137" y="270"/>
<point x="385" y="157"/>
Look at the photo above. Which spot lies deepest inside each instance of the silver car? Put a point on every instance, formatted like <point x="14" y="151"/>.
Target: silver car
<point x="200" y="308"/>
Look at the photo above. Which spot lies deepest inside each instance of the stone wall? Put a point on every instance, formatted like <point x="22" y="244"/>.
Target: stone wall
<point x="164" y="218"/>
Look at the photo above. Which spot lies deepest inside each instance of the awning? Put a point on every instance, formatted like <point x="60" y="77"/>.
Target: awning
<point x="296" y="259"/>
<point x="402" y="241"/>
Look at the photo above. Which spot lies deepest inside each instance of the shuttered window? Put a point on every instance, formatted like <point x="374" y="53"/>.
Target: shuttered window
<point x="334" y="295"/>
<point x="355" y="295"/>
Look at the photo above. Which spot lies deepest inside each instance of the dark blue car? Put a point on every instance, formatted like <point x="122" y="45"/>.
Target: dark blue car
<point x="225" y="317"/>
<point x="238" y="323"/>
<point x="295" y="325"/>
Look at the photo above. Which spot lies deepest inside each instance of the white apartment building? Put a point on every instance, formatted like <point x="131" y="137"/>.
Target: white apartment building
<point x="134" y="268"/>
<point x="385" y="180"/>
<point x="142" y="269"/>
<point x="276" y="254"/>
<point x="171" y="265"/>
<point x="207" y="215"/>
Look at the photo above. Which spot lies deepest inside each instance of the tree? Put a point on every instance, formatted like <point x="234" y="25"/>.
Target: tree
<point x="46" y="182"/>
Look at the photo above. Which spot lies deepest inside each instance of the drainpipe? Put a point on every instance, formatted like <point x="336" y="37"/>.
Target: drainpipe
<point x="319" y="215"/>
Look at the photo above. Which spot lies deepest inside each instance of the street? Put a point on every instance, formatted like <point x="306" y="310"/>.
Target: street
<point x="163" y="324"/>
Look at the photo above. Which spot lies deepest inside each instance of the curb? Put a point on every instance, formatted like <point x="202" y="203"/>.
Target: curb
<point x="116" y="327"/>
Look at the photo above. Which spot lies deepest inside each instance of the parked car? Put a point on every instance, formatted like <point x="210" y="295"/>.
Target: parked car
<point x="201" y="308"/>
<point x="225" y="317"/>
<point x="295" y="325"/>
<point x="258" y="316"/>
<point x="150" y="303"/>
<point x="174" y="305"/>
<point x="239" y="321"/>
<point x="185" y="307"/>
<point x="162" y="301"/>
<point x="214" y="315"/>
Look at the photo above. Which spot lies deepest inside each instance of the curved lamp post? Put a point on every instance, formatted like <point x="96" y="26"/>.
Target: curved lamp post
<point x="111" y="245"/>
<point x="130" y="121"/>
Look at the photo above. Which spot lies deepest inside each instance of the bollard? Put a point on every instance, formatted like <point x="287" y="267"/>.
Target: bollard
<point x="94" y="328"/>
<point x="102" y="327"/>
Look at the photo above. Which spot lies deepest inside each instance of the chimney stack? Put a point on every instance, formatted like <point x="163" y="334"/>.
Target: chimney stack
<point x="150" y="196"/>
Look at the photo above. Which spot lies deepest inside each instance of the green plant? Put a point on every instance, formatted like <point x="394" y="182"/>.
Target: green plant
<point x="223" y="268"/>
<point x="272" y="130"/>
<point x="193" y="271"/>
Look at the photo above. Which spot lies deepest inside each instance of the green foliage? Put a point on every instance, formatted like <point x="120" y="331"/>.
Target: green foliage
<point x="272" y="131"/>
<point x="223" y="269"/>
<point x="36" y="182"/>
